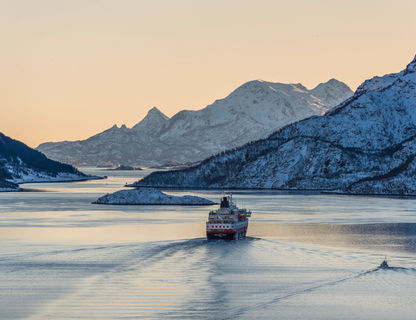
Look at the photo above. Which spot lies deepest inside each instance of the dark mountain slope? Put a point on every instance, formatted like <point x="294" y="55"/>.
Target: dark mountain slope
<point x="20" y="163"/>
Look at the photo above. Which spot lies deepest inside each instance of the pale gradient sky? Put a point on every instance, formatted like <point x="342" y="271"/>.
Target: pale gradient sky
<point x="69" y="69"/>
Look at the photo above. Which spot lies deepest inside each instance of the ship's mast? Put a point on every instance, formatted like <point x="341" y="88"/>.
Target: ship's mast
<point x="230" y="196"/>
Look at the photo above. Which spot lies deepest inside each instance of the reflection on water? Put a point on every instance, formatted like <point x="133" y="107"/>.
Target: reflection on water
<point x="308" y="256"/>
<point x="194" y="279"/>
<point x="108" y="234"/>
<point x="379" y="237"/>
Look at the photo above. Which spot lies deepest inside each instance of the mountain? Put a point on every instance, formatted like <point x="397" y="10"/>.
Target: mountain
<point x="366" y="145"/>
<point x="250" y="112"/>
<point x="116" y="145"/>
<point x="152" y="124"/>
<point x="19" y="163"/>
<point x="331" y="91"/>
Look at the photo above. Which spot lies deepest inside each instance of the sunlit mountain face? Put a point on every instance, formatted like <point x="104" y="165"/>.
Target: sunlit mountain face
<point x="252" y="111"/>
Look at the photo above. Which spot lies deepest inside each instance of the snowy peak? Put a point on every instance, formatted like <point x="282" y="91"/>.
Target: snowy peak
<point x="250" y="89"/>
<point x="329" y="93"/>
<point x="251" y="112"/>
<point x="156" y="113"/>
<point x="154" y="121"/>
<point x="331" y="84"/>
<point x="263" y="88"/>
<point x="332" y="92"/>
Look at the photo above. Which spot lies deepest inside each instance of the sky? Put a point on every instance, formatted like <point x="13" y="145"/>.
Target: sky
<point x="72" y="68"/>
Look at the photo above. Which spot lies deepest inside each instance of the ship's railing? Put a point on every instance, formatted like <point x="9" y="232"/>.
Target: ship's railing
<point x="229" y="218"/>
<point x="224" y="221"/>
<point x="220" y="222"/>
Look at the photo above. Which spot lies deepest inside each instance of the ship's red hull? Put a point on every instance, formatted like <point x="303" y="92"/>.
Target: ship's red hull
<point x="226" y="234"/>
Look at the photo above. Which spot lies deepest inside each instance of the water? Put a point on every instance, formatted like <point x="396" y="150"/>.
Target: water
<point x="307" y="256"/>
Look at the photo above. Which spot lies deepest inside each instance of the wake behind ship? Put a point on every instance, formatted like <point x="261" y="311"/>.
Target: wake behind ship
<point x="228" y="222"/>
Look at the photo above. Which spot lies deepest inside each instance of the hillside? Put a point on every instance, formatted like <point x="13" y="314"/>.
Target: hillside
<point x="19" y="163"/>
<point x="366" y="145"/>
<point x="251" y="112"/>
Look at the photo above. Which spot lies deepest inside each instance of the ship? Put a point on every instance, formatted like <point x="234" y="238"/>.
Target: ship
<point x="228" y="222"/>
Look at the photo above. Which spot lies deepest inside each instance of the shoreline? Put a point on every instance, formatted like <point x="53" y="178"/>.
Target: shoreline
<point x="154" y="204"/>
<point x="20" y="189"/>
<point x="283" y="191"/>
<point x="69" y="180"/>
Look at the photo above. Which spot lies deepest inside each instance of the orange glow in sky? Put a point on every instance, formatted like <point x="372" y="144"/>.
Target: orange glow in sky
<point x="70" y="69"/>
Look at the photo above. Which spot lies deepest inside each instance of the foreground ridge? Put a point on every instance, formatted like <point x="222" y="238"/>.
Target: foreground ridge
<point x="20" y="163"/>
<point x="366" y="145"/>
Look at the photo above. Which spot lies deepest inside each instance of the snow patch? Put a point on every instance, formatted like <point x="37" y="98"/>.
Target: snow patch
<point x="150" y="196"/>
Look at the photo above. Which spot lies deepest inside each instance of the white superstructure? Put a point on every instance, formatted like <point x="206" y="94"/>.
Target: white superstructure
<point x="227" y="222"/>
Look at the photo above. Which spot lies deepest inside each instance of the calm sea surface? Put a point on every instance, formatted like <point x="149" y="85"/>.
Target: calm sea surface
<point x="308" y="256"/>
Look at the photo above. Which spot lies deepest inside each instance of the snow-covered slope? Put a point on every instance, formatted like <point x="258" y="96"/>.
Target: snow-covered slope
<point x="252" y="111"/>
<point x="331" y="91"/>
<point x="19" y="163"/>
<point x="365" y="145"/>
<point x="150" y="196"/>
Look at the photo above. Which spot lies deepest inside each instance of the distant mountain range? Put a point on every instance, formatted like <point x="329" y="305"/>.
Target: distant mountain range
<point x="251" y="112"/>
<point x="19" y="163"/>
<point x="366" y="145"/>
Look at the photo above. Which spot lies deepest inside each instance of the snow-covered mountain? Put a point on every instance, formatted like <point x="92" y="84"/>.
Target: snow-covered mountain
<point x="366" y="145"/>
<point x="19" y="163"/>
<point x="251" y="112"/>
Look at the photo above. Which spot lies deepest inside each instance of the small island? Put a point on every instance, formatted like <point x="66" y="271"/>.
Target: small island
<point x="122" y="167"/>
<point x="150" y="196"/>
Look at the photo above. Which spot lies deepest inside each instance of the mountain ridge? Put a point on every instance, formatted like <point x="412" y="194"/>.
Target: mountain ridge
<point x="250" y="112"/>
<point x="366" y="145"/>
<point x="20" y="163"/>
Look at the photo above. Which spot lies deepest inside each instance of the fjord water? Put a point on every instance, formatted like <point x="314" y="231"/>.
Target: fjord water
<point x="308" y="256"/>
